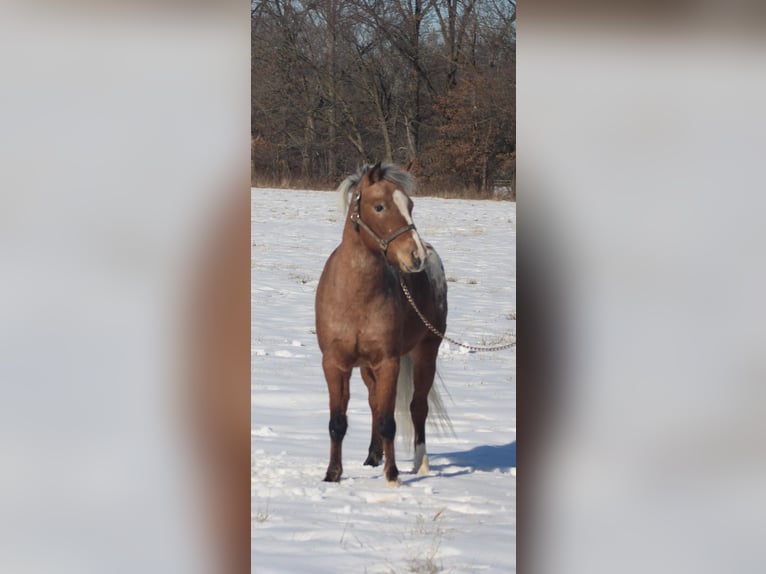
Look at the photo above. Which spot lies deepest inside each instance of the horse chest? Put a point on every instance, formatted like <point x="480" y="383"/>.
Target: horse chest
<point x="369" y="324"/>
<point x="363" y="333"/>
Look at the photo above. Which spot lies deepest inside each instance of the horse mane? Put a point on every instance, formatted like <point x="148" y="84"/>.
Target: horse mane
<point x="393" y="173"/>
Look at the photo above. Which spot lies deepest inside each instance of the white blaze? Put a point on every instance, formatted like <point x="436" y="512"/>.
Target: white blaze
<point x="400" y="199"/>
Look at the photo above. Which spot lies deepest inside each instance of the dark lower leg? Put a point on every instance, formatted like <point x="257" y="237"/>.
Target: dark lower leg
<point x="338" y="387"/>
<point x="419" y="412"/>
<point x="424" y="371"/>
<point x="375" y="452"/>
<point x="387" y="428"/>
<point x="338" y="426"/>
<point x="385" y="391"/>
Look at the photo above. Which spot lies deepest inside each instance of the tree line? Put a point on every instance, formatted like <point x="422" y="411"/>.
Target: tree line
<point x="340" y="83"/>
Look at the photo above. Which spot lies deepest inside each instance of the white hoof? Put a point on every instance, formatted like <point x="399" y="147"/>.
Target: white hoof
<point x="393" y="483"/>
<point x="421" y="460"/>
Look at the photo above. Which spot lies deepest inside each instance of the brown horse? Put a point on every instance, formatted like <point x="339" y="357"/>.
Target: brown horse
<point x="363" y="319"/>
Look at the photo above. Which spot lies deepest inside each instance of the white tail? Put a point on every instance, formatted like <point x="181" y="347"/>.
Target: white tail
<point x="438" y="419"/>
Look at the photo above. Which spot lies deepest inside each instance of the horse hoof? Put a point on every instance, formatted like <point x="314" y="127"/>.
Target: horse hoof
<point x="423" y="468"/>
<point x="394" y="483"/>
<point x="392" y="476"/>
<point x="372" y="460"/>
<point x="333" y="476"/>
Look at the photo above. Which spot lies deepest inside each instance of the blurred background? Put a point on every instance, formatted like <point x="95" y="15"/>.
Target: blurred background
<point x="640" y="130"/>
<point x="124" y="291"/>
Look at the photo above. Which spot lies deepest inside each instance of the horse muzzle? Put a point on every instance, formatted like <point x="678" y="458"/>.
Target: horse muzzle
<point x="412" y="256"/>
<point x="414" y="265"/>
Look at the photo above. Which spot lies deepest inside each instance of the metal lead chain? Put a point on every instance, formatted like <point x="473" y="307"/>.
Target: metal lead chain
<point x="441" y="335"/>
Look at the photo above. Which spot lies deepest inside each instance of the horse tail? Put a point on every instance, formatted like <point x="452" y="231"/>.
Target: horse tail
<point x="438" y="418"/>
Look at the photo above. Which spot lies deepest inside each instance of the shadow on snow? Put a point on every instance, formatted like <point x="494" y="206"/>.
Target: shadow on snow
<point x="480" y="458"/>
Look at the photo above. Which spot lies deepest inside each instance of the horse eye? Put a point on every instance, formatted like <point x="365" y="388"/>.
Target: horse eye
<point x="379" y="207"/>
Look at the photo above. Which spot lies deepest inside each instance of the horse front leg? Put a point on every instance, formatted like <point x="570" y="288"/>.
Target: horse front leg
<point x="338" y="387"/>
<point x="375" y="452"/>
<point x="386" y="374"/>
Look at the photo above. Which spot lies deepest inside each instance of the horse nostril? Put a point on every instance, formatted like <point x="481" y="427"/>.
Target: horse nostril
<point x="415" y="259"/>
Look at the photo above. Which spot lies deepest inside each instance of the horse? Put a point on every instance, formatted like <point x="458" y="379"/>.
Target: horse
<point x="363" y="319"/>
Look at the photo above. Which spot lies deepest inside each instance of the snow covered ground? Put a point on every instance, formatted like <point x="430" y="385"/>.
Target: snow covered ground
<point x="459" y="518"/>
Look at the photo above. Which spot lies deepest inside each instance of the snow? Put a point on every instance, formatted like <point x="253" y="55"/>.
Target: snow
<point x="461" y="517"/>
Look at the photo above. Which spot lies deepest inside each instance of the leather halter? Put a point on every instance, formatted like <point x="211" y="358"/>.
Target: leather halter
<point x="383" y="243"/>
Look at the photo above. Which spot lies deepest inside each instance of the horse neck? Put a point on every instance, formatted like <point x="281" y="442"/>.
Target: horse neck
<point x="366" y="263"/>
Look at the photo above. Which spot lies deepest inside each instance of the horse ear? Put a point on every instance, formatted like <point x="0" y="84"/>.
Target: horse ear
<point x="409" y="165"/>
<point x="373" y="174"/>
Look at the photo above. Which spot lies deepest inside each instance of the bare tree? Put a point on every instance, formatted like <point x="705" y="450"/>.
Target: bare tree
<point x="339" y="82"/>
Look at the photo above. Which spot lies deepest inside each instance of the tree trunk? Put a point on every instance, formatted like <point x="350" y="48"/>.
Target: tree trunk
<point x="414" y="133"/>
<point x="389" y="152"/>
<point x="331" y="74"/>
<point x="308" y="144"/>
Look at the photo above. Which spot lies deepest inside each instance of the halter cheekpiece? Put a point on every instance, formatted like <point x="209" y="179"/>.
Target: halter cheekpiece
<point x="383" y="243"/>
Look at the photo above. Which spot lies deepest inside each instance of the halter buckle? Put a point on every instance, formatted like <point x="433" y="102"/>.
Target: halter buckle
<point x="355" y="216"/>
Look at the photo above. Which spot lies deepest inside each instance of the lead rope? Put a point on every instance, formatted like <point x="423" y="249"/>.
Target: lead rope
<point x="441" y="335"/>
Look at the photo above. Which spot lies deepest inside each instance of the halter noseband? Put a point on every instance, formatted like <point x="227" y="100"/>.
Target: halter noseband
<point x="356" y="219"/>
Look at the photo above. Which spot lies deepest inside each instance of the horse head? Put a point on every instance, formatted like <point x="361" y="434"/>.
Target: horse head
<point x="383" y="209"/>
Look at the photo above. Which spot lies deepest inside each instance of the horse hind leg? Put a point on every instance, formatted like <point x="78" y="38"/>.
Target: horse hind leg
<point x="375" y="452"/>
<point x="419" y="410"/>
<point x="338" y="387"/>
<point x="424" y="370"/>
